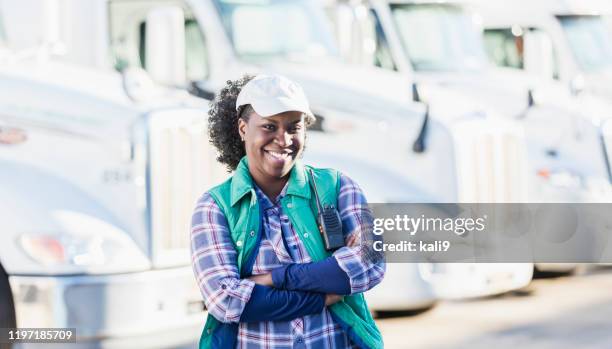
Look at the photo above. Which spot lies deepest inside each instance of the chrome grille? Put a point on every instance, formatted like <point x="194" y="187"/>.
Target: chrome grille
<point x="182" y="166"/>
<point x="491" y="162"/>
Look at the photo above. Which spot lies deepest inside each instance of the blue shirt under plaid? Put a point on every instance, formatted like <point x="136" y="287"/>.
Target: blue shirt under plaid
<point x="225" y="294"/>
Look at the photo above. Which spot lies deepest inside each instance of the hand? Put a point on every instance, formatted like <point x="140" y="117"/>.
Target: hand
<point x="263" y="279"/>
<point x="332" y="299"/>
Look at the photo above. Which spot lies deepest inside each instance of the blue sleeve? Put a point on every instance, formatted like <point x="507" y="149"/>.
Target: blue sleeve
<point x="324" y="276"/>
<point x="271" y="304"/>
<point x="364" y="267"/>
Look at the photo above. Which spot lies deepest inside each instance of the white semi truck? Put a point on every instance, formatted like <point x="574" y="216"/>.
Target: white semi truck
<point x="100" y="171"/>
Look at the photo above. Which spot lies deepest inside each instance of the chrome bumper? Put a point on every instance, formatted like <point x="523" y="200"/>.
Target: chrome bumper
<point x="147" y="309"/>
<point x="473" y="280"/>
<point x="403" y="288"/>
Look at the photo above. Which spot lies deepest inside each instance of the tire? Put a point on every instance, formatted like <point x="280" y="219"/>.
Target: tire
<point x="7" y="307"/>
<point x="547" y="274"/>
<point x="385" y="314"/>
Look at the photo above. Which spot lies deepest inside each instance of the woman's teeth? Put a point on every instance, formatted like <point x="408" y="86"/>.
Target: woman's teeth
<point x="279" y="155"/>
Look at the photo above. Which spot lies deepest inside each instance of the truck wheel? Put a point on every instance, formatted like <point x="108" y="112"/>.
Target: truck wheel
<point x="7" y="308"/>
<point x="384" y="314"/>
<point x="547" y="274"/>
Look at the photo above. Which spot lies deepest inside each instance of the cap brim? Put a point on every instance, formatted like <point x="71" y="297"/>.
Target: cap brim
<point x="269" y="107"/>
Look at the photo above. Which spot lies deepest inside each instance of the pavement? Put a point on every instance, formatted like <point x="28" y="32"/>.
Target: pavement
<point x="566" y="312"/>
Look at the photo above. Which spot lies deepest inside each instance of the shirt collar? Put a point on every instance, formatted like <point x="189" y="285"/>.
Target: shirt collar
<point x="242" y="183"/>
<point x="267" y="202"/>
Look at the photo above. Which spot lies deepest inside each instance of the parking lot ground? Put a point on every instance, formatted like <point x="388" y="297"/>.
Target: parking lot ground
<point x="566" y="312"/>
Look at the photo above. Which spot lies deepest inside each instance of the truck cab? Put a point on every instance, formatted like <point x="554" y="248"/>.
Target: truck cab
<point x="567" y="42"/>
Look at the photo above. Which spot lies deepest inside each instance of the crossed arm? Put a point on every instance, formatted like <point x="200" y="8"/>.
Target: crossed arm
<point x="290" y="291"/>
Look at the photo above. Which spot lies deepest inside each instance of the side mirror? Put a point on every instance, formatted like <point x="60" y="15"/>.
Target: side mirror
<point x="531" y="102"/>
<point x="419" y="144"/>
<point x="416" y="96"/>
<point x="165" y="46"/>
<point x="539" y="54"/>
<point x="606" y="133"/>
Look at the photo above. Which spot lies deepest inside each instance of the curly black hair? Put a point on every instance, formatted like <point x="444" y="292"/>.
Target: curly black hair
<point x="223" y="122"/>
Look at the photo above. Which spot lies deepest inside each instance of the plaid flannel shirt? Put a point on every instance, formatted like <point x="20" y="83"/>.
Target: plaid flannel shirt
<point x="225" y="294"/>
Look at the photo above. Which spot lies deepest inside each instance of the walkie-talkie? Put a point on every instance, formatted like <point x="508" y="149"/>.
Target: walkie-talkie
<point x="330" y="224"/>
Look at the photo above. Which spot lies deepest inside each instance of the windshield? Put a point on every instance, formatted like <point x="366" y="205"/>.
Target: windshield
<point x="288" y="29"/>
<point x="439" y="37"/>
<point x="590" y="41"/>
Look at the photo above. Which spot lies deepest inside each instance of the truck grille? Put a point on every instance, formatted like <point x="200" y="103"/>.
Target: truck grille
<point x="492" y="162"/>
<point x="182" y="166"/>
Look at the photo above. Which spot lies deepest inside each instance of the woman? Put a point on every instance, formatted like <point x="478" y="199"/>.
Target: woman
<point x="259" y="259"/>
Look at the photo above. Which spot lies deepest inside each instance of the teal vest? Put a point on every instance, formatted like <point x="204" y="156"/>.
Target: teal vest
<point x="237" y="200"/>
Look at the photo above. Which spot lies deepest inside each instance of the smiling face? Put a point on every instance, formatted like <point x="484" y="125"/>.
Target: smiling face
<point x="272" y="144"/>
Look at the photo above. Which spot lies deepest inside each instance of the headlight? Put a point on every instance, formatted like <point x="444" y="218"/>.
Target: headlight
<point x="561" y="178"/>
<point x="56" y="249"/>
<point x="84" y="241"/>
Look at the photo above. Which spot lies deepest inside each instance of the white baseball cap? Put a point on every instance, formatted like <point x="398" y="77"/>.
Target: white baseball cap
<point x="273" y="94"/>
